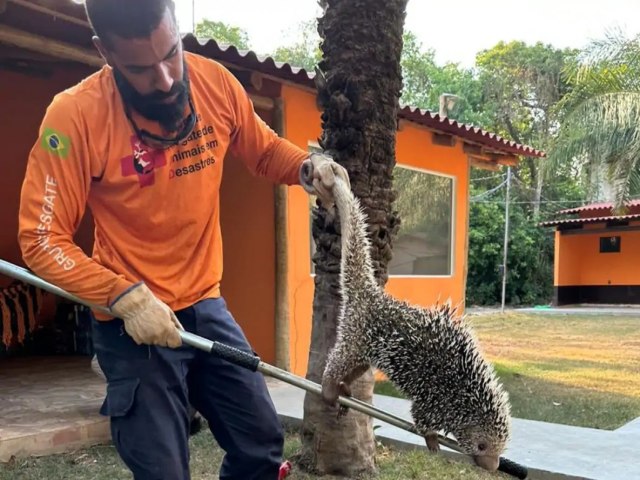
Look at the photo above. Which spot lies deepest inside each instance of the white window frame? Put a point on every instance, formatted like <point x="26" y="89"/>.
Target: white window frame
<point x="454" y="207"/>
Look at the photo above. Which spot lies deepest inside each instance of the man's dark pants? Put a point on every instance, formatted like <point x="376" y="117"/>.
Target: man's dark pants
<point x="149" y="390"/>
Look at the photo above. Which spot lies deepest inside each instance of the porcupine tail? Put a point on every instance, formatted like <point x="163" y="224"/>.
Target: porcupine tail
<point x="357" y="276"/>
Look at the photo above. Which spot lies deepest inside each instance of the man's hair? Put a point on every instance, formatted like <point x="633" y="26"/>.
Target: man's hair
<point x="126" y="18"/>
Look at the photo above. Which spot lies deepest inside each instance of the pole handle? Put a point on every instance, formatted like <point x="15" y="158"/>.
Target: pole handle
<point x="512" y="468"/>
<point x="231" y="354"/>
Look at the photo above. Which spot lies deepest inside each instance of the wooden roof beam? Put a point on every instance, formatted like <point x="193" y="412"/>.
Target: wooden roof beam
<point x="54" y="48"/>
<point x="443" y="139"/>
<point x="30" y="5"/>
<point x="483" y="163"/>
<point x="481" y="154"/>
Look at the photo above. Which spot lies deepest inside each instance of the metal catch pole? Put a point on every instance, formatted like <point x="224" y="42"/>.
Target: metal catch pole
<point x="254" y="363"/>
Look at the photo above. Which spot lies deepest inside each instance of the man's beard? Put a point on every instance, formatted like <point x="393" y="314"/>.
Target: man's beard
<point x="151" y="106"/>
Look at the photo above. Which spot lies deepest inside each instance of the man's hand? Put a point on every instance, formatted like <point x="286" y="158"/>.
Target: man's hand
<point x="317" y="177"/>
<point x="148" y="320"/>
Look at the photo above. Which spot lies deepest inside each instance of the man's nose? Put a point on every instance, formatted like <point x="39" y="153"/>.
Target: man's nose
<point x="164" y="81"/>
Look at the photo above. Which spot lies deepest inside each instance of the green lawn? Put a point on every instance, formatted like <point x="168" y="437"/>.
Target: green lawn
<point x="574" y="370"/>
<point x="102" y="463"/>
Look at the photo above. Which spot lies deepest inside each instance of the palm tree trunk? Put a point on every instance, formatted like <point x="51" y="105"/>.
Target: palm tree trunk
<point x="359" y="93"/>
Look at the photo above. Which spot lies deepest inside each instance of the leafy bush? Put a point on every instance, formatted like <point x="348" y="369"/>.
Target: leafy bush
<point x="529" y="260"/>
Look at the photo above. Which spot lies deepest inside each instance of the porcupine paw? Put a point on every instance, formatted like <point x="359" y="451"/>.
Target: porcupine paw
<point x="330" y="392"/>
<point x="345" y="391"/>
<point x="432" y="442"/>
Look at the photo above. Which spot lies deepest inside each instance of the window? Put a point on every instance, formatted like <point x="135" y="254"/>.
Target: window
<point x="423" y="246"/>
<point x="609" y="244"/>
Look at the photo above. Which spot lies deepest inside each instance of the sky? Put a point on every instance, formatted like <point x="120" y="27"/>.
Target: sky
<point x="455" y="30"/>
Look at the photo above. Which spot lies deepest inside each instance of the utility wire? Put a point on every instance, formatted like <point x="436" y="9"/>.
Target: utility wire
<point x="501" y="175"/>
<point x="488" y="192"/>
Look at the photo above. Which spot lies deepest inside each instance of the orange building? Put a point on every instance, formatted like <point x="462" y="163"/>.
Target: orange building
<point x="597" y="255"/>
<point x="268" y="279"/>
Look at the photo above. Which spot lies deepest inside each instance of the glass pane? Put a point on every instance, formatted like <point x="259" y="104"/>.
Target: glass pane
<point x="425" y="205"/>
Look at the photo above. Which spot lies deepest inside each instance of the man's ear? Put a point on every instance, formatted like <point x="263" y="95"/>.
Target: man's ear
<point x="101" y="49"/>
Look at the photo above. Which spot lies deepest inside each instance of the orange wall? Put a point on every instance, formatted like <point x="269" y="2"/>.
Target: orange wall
<point x="578" y="260"/>
<point x="23" y="100"/>
<point x="248" y="232"/>
<point x="414" y="148"/>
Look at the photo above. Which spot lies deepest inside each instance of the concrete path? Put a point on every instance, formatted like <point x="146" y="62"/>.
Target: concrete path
<point x="585" y="310"/>
<point x="548" y="450"/>
<point x="607" y="310"/>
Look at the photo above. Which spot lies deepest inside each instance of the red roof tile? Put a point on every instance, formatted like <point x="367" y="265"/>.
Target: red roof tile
<point x="580" y="221"/>
<point x="468" y="132"/>
<point x="597" y="206"/>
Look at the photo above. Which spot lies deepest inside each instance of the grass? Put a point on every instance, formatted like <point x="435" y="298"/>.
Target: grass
<point x="103" y="463"/>
<point x="573" y="370"/>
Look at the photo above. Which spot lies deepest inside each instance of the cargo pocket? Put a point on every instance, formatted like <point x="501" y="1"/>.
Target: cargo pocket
<point x="120" y="397"/>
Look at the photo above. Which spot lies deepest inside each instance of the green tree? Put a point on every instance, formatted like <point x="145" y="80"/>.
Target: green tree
<point x="222" y="33"/>
<point x="305" y="51"/>
<point x="424" y="81"/>
<point x="522" y="86"/>
<point x="600" y="131"/>
<point x="530" y="250"/>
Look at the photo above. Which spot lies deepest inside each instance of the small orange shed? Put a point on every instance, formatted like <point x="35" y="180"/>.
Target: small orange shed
<point x="597" y="254"/>
<point x="268" y="278"/>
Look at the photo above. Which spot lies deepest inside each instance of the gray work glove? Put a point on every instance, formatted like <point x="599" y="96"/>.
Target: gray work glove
<point x="317" y="177"/>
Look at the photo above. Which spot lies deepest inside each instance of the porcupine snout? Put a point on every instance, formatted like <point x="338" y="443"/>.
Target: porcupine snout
<point x="487" y="462"/>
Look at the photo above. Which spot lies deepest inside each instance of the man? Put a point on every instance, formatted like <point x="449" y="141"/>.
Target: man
<point x="110" y="143"/>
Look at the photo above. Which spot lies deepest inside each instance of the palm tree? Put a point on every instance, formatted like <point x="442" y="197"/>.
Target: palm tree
<point x="359" y="83"/>
<point x="600" y="129"/>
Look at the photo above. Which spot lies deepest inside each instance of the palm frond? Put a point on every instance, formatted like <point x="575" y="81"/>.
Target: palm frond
<point x="603" y="130"/>
<point x="600" y="127"/>
<point x="614" y="47"/>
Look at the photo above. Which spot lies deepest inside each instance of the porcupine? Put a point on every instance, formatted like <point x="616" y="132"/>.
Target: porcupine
<point x="429" y="354"/>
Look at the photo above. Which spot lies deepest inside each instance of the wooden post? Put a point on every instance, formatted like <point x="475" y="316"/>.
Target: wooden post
<point x="282" y="343"/>
<point x="262" y="103"/>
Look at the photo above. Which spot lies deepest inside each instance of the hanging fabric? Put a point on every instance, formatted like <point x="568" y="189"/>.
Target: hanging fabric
<point x="6" y="321"/>
<point x="19" y="305"/>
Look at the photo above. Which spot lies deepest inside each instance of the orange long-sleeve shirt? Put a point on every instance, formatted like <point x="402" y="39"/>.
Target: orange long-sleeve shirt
<point x="156" y="212"/>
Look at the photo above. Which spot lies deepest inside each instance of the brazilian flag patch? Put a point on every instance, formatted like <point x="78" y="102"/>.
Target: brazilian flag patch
<point x="55" y="142"/>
